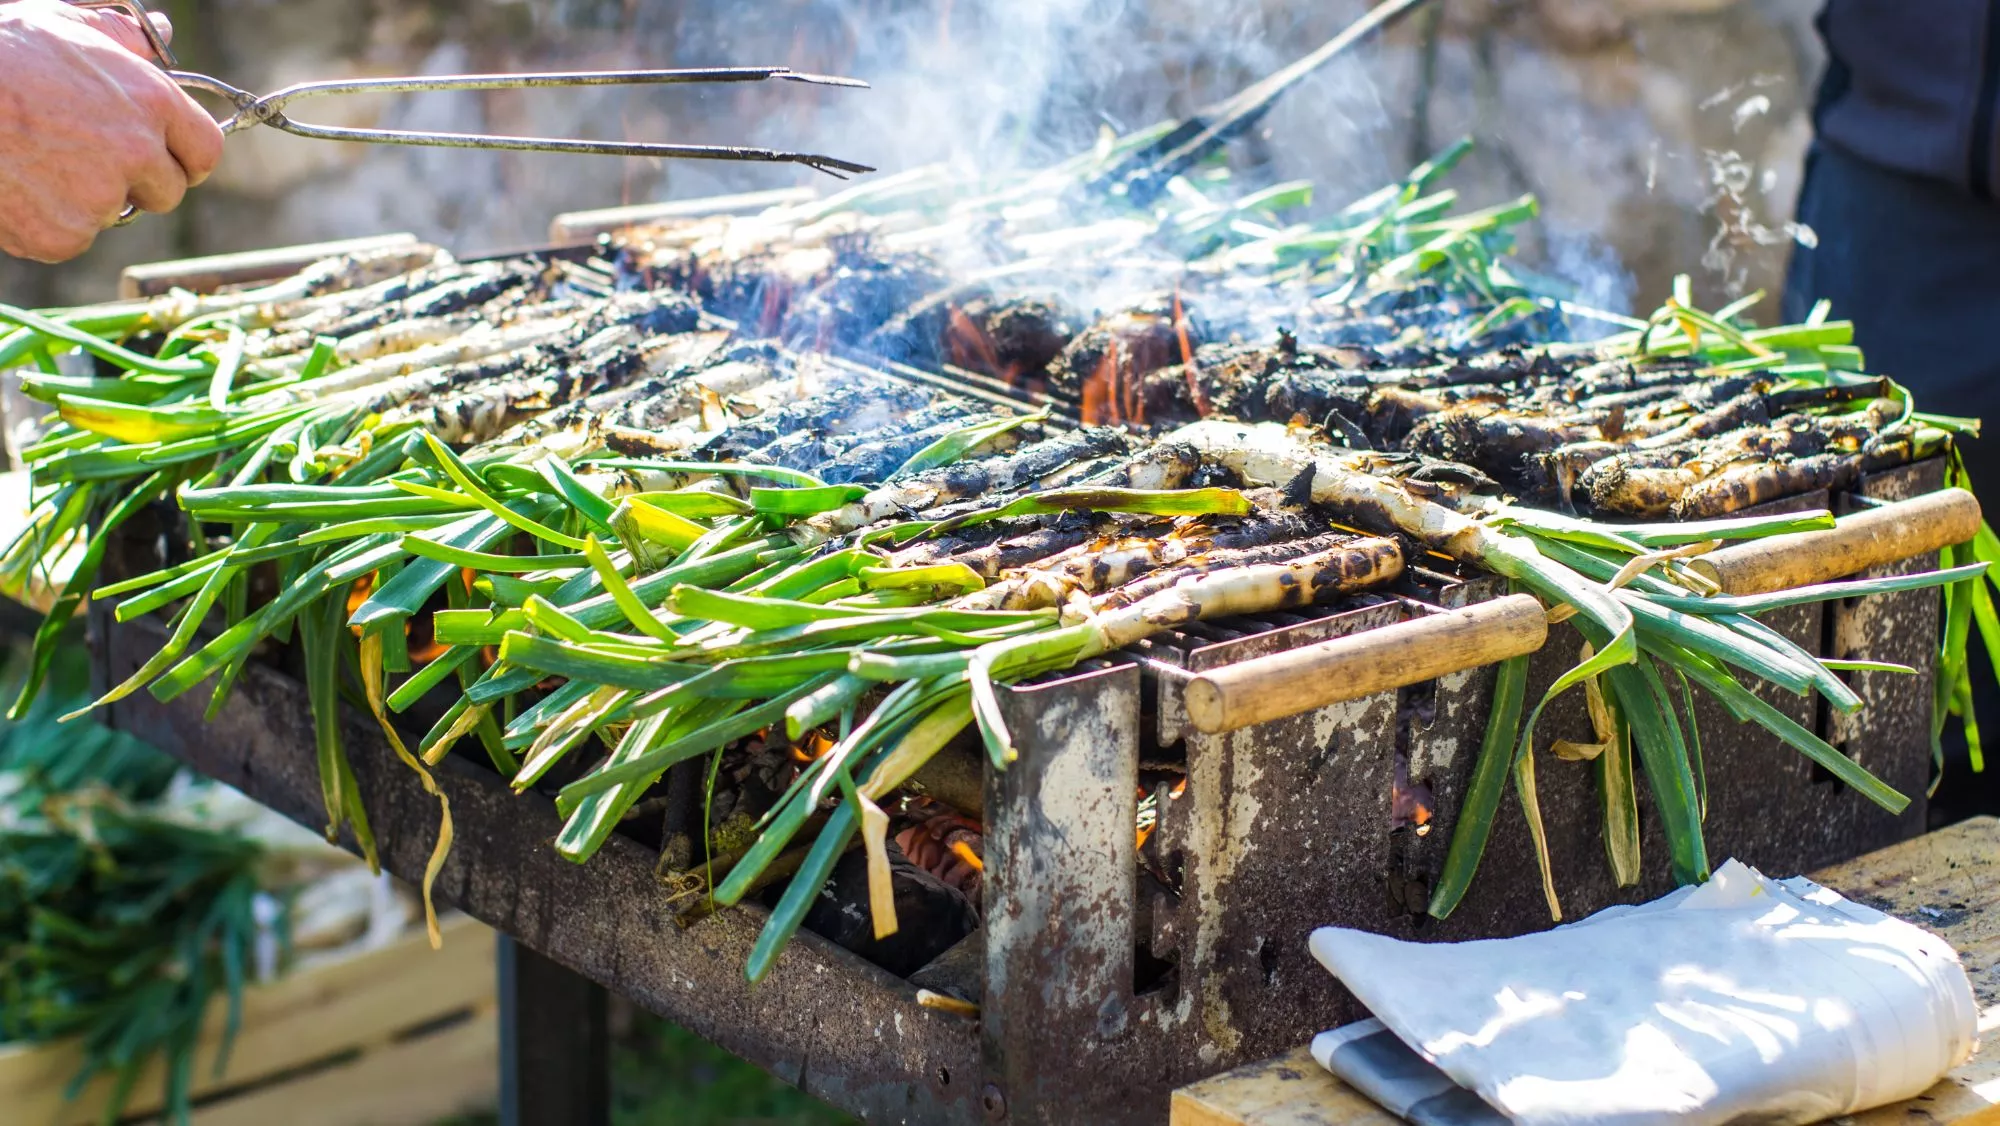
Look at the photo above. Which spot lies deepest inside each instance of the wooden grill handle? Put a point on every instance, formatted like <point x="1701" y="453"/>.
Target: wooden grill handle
<point x="1858" y="541"/>
<point x="1361" y="664"/>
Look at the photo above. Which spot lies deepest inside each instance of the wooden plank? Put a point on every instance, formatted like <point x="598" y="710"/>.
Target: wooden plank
<point x="1947" y="882"/>
<point x="1291" y="1090"/>
<point x="583" y="226"/>
<point x="320" y="1011"/>
<point x="414" y="1082"/>
<point x="206" y="275"/>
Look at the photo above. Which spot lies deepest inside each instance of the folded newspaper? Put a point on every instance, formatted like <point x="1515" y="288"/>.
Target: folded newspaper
<point x="1744" y="999"/>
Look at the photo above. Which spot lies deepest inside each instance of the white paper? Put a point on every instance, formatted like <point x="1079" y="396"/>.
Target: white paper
<point x="1744" y="998"/>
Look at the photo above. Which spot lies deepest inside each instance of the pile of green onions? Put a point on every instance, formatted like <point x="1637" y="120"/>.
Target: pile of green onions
<point x="685" y="605"/>
<point x="1655" y="628"/>
<point x="120" y="921"/>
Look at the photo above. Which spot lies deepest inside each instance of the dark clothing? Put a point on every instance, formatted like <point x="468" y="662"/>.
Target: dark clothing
<point x="1914" y="262"/>
<point x="1915" y="87"/>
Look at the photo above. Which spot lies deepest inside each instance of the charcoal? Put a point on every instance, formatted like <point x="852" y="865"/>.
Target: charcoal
<point x="1278" y="383"/>
<point x="659" y="313"/>
<point x="931" y="916"/>
<point x="756" y="289"/>
<point x="467" y="293"/>
<point x="1015" y="339"/>
<point x="807" y="453"/>
<point x="1393" y="412"/>
<point x="915" y="336"/>
<point x="986" y="479"/>
<point x="810" y="449"/>
<point x="486" y="410"/>
<point x="1496" y="441"/>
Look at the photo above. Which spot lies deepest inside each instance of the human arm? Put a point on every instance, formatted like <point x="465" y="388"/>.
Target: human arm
<point x="88" y="123"/>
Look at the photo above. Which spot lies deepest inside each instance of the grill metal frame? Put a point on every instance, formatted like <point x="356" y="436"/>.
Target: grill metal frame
<point x="1282" y="827"/>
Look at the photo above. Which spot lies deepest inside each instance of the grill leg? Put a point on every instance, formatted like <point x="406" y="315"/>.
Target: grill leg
<point x="555" y="1043"/>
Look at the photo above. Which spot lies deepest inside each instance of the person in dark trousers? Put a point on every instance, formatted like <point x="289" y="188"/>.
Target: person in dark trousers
<point x="1900" y="193"/>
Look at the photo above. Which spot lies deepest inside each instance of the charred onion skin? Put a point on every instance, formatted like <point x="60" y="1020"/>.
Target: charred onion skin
<point x="1344" y="564"/>
<point x="1255" y="589"/>
<point x="668" y="502"/>
<point x="1104" y="368"/>
<point x="1130" y="568"/>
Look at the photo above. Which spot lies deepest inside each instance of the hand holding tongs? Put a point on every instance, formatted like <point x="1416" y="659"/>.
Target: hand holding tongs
<point x="269" y="109"/>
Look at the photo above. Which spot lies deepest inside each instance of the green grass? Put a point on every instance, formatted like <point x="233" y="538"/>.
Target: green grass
<point x="662" y="1074"/>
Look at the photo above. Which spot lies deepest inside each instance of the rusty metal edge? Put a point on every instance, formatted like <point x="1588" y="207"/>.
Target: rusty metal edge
<point x="824" y="1020"/>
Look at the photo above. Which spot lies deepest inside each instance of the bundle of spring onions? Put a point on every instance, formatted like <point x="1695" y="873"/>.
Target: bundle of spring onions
<point x="120" y="918"/>
<point x="616" y="533"/>
<point x="1652" y="624"/>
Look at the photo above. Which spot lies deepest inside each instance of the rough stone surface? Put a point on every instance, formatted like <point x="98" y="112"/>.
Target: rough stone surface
<point x="1663" y="136"/>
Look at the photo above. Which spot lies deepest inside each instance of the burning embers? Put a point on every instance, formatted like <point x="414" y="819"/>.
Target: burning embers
<point x="1388" y="326"/>
<point x="945" y="843"/>
<point x="1104" y="367"/>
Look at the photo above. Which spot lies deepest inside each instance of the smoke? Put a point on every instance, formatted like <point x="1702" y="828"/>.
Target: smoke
<point x="995" y="88"/>
<point x="1596" y="277"/>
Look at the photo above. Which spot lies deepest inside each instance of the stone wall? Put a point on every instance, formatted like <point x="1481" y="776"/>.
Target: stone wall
<point x="1662" y="136"/>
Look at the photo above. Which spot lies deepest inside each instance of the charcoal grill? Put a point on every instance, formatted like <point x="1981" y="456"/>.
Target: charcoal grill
<point x="1108" y="973"/>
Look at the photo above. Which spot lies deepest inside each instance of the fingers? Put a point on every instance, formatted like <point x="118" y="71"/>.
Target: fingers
<point x="179" y="152"/>
<point x="159" y="184"/>
<point x="125" y="29"/>
<point x="192" y="136"/>
<point x="50" y="248"/>
<point x="59" y="232"/>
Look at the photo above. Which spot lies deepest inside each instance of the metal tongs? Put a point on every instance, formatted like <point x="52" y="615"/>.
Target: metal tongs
<point x="269" y="109"/>
<point x="1143" y="175"/>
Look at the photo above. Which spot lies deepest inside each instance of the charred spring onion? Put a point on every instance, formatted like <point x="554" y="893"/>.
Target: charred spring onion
<point x="611" y="532"/>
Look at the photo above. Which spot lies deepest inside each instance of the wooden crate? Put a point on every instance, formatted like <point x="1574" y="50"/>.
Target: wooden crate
<point x="397" y="1036"/>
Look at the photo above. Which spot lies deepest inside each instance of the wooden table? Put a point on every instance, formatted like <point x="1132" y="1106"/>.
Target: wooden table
<point x="1947" y="882"/>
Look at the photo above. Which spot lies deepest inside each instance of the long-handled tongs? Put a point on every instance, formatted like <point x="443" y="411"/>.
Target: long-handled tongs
<point x="269" y="109"/>
<point x="1143" y="175"/>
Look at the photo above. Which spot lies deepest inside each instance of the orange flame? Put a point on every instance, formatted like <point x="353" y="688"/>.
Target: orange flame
<point x="812" y="748"/>
<point x="1097" y="410"/>
<point x="1187" y="357"/>
<point x="1104" y="390"/>
<point x="970" y="346"/>
<point x="1409" y="802"/>
<point x="357" y="594"/>
<point x="964" y="852"/>
<point x="1135" y="402"/>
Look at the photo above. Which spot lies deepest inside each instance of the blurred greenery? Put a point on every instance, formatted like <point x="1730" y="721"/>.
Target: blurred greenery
<point x="663" y="1075"/>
